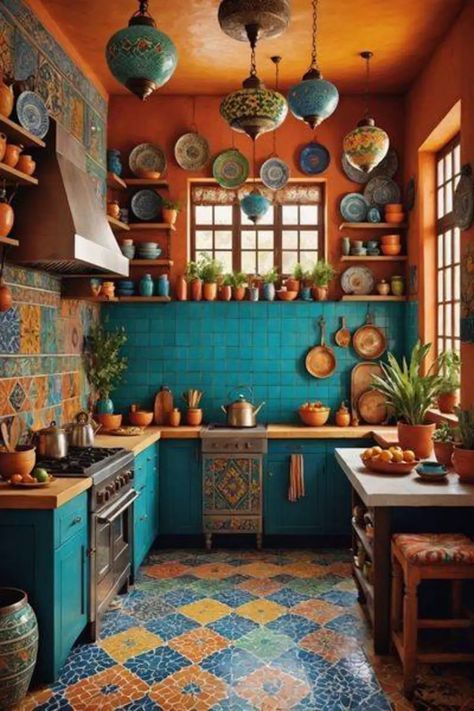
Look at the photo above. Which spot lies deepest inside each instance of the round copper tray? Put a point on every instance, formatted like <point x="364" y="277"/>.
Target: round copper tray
<point x="369" y="342"/>
<point x="372" y="407"/>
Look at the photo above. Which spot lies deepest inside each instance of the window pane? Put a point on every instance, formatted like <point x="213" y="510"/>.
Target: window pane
<point x="440" y="210"/>
<point x="457" y="245"/>
<point x="290" y="214"/>
<point x="308" y="260"/>
<point x="308" y="214"/>
<point x="223" y="239"/>
<point x="448" y="167"/>
<point x="265" y="262"/>
<point x="249" y="240"/>
<point x="265" y="239"/>
<point x="223" y="214"/>
<point x="268" y="217"/>
<point x="249" y="262"/>
<point x="289" y="239"/>
<point x="440" y="345"/>
<point x="308" y="240"/>
<point x="440" y="286"/>
<point x="447" y="320"/>
<point x="440" y="251"/>
<point x="203" y="240"/>
<point x="457" y="159"/>
<point x="288" y="261"/>
<point x="457" y="319"/>
<point x="440" y="172"/>
<point x="203" y="214"/>
<point x="440" y="319"/>
<point x="447" y="247"/>
<point x="448" y="198"/>
<point x="457" y="283"/>
<point x="226" y="259"/>
<point x="447" y="285"/>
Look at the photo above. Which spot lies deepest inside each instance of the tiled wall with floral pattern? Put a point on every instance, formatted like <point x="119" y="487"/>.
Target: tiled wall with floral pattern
<point x="41" y="339"/>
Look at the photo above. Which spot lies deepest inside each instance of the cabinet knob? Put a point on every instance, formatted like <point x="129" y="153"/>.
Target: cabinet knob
<point x="76" y="520"/>
<point x="270" y="473"/>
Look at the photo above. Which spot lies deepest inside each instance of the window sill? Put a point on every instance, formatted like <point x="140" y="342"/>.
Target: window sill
<point x="440" y="417"/>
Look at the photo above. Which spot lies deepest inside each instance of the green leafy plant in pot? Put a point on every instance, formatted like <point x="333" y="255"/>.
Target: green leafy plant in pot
<point x="239" y="284"/>
<point x="449" y="369"/>
<point x="193" y="277"/>
<point x="463" y="455"/>
<point x="104" y="365"/>
<point x="293" y="283"/>
<point x="170" y="211"/>
<point x="443" y="441"/>
<point x="269" y="280"/>
<point x="225" y="291"/>
<point x="410" y="393"/>
<point x="323" y="273"/>
<point x="210" y="271"/>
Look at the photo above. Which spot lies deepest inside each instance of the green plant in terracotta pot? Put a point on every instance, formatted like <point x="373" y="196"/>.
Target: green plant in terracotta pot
<point x="170" y="210"/>
<point x="463" y="455"/>
<point x="410" y="392"/>
<point x="449" y="369"/>
<point x="269" y="280"/>
<point x="103" y="364"/>
<point x="443" y="441"/>
<point x="225" y="291"/>
<point x="239" y="284"/>
<point x="193" y="277"/>
<point x="293" y="283"/>
<point x="323" y="273"/>
<point x="210" y="270"/>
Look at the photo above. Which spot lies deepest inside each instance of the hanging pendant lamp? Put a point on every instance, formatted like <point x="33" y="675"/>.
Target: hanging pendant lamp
<point x="367" y="145"/>
<point x="140" y="56"/>
<point x="271" y="17"/>
<point x="314" y="99"/>
<point x="254" y="109"/>
<point x="255" y="204"/>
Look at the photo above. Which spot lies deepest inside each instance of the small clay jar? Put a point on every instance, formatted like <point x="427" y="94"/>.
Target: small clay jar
<point x="196" y="290"/>
<point x="7" y="216"/>
<point x="6" y="98"/>
<point x="293" y="284"/>
<point x="343" y="416"/>
<point x="383" y="287"/>
<point x="194" y="416"/>
<point x="26" y="164"/>
<point x="175" y="417"/>
<point x="12" y="155"/>
<point x="238" y="293"/>
<point x="108" y="289"/>
<point x="181" y="289"/>
<point x="209" y="291"/>
<point x="113" y="209"/>
<point x="5" y="297"/>
<point x="225" y="293"/>
<point x="398" y="285"/>
<point x="3" y="146"/>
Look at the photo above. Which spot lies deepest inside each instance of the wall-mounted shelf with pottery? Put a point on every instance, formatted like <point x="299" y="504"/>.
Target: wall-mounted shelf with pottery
<point x="12" y="176"/>
<point x="117" y="225"/>
<point x="151" y="262"/>
<point x="18" y="134"/>
<point x="92" y="299"/>
<point x="9" y="241"/>
<point x="371" y="226"/>
<point x="143" y="299"/>
<point x="146" y="183"/>
<point x="151" y="226"/>
<point x="371" y="297"/>
<point x="381" y="258"/>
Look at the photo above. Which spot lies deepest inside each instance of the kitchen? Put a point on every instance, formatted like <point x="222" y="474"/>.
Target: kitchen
<point x="174" y="256"/>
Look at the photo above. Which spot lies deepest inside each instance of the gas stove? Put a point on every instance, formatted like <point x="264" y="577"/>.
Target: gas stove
<point x="222" y="430"/>
<point x="95" y="462"/>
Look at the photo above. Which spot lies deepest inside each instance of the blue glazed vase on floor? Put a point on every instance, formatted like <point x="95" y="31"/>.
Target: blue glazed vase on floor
<point x="269" y="292"/>
<point x="18" y="646"/>
<point x="104" y="406"/>
<point x="146" y="285"/>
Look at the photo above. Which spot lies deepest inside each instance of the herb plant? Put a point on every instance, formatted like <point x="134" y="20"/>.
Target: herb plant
<point x="102" y="360"/>
<point x="323" y="272"/>
<point x="465" y="429"/>
<point x="449" y="368"/>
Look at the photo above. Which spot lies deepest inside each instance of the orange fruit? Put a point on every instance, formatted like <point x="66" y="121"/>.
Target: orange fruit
<point x="368" y="453"/>
<point x="409" y="455"/>
<point x="16" y="479"/>
<point x="397" y="456"/>
<point x="28" y="479"/>
<point x="376" y="450"/>
<point x="386" y="456"/>
<point x="395" y="448"/>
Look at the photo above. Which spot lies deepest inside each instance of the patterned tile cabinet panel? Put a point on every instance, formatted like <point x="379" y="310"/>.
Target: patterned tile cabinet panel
<point x="216" y="346"/>
<point x="41" y="337"/>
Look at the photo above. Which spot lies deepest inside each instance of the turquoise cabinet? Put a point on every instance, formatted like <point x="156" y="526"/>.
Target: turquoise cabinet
<point x="146" y="511"/>
<point x="180" y="487"/>
<point x="338" y="497"/>
<point x="46" y="554"/>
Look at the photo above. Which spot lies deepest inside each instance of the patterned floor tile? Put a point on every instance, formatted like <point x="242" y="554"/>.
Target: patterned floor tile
<point x="231" y="664"/>
<point x="233" y="626"/>
<point x="294" y="626"/>
<point x="265" y="643"/>
<point x="234" y="597"/>
<point x="302" y="664"/>
<point x="319" y="611"/>
<point x="261" y="611"/>
<point x="329" y="645"/>
<point x="214" y="571"/>
<point x="84" y="661"/>
<point x="272" y="689"/>
<point x="146" y="607"/>
<point x="341" y="598"/>
<point x="205" y="611"/>
<point x="143" y="704"/>
<point x="171" y="626"/>
<point x="190" y="689"/>
<point x="108" y="690"/>
<point x="304" y="569"/>
<point x="260" y="570"/>
<point x="259" y="587"/>
<point x="129" y="643"/>
<point x="114" y="622"/>
<point x="199" y="643"/>
<point x="349" y="625"/>
<point x="288" y="597"/>
<point x="181" y="596"/>
<point x="157" y="665"/>
<point x="208" y="588"/>
<point x="170" y="569"/>
<point x="315" y="587"/>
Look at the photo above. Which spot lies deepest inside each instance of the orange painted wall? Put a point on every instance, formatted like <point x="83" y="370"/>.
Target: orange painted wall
<point x="447" y="79"/>
<point x="162" y="119"/>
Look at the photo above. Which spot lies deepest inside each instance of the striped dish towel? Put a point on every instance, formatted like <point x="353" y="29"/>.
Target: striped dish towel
<point x="296" y="487"/>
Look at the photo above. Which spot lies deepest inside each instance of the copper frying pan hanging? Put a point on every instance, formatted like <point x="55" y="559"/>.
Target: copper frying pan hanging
<point x="320" y="360"/>
<point x="369" y="341"/>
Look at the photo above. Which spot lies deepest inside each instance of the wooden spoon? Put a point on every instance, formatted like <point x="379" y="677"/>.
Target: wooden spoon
<point x="15" y="432"/>
<point x="6" y="436"/>
<point x="343" y="336"/>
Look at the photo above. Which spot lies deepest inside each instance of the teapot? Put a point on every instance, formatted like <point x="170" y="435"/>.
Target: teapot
<point x="241" y="412"/>
<point x="81" y="432"/>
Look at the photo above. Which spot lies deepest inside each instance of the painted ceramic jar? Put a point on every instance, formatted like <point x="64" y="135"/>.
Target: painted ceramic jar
<point x="104" y="406"/>
<point x="163" y="285"/>
<point x="253" y="293"/>
<point x="181" y="289"/>
<point x="306" y="293"/>
<point x="26" y="164"/>
<point x="397" y="284"/>
<point x="269" y="292"/>
<point x="18" y="646"/>
<point x="196" y="290"/>
<point x="345" y="246"/>
<point x="383" y="287"/>
<point x="146" y="286"/>
<point x="12" y="155"/>
<point x="6" y="98"/>
<point x="7" y="216"/>
<point x="114" y="163"/>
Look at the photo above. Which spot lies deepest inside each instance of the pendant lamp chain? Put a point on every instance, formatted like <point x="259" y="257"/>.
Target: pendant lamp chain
<point x="314" y="50"/>
<point x="367" y="56"/>
<point x="253" y="62"/>
<point x="276" y="61"/>
<point x="254" y="166"/>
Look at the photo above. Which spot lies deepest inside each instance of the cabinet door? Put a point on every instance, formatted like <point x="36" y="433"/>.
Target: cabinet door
<point x="140" y="528"/>
<point x="180" y="487"/>
<point x="305" y="516"/>
<point x="152" y="493"/>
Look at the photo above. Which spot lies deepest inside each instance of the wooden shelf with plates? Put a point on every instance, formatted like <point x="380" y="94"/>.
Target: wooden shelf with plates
<point x="12" y="176"/>
<point x="372" y="226"/>
<point x="146" y="183"/>
<point x="144" y="299"/>
<point x="380" y="258"/>
<point x="151" y="262"/>
<point x="152" y="226"/>
<point x="18" y="133"/>
<point x="115" y="182"/>
<point x="9" y="241"/>
<point x="371" y="297"/>
<point x="117" y="225"/>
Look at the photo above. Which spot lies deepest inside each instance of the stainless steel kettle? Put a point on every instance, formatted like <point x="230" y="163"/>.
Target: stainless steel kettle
<point x="241" y="412"/>
<point x="52" y="442"/>
<point x="82" y="431"/>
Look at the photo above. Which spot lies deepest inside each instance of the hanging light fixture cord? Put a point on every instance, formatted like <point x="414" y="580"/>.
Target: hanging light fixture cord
<point x="276" y="61"/>
<point x="314" y="50"/>
<point x="254" y="167"/>
<point x="253" y="63"/>
<point x="367" y="56"/>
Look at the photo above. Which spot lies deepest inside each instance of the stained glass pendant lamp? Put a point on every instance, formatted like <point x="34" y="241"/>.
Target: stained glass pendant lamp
<point x="271" y="17"/>
<point x="367" y="145"/>
<point x="140" y="56"/>
<point x="314" y="99"/>
<point x="255" y="204"/>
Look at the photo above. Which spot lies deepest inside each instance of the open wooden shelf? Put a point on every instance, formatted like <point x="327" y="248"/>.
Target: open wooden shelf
<point x="15" y="177"/>
<point x="381" y="258"/>
<point x="144" y="299"/>
<point x="9" y="241"/>
<point x="368" y="590"/>
<point x="371" y="226"/>
<point x="362" y="536"/>
<point x="115" y="182"/>
<point x="146" y="183"/>
<point x="19" y="134"/>
<point x="151" y="262"/>
<point x="151" y="226"/>
<point x="117" y="225"/>
<point x="92" y="299"/>
<point x="371" y="297"/>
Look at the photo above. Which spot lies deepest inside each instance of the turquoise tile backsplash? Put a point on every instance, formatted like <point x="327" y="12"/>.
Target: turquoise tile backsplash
<point x="216" y="346"/>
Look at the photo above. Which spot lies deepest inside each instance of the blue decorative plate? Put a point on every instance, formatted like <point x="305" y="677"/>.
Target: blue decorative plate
<point x="314" y="158"/>
<point x="354" y="207"/>
<point x="274" y="173"/>
<point x="146" y="204"/>
<point x="32" y="113"/>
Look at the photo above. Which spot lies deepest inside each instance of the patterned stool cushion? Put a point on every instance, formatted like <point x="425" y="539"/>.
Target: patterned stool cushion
<point x="436" y="548"/>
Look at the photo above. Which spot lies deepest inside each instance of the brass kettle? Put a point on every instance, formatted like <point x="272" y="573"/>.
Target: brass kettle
<point x="241" y="412"/>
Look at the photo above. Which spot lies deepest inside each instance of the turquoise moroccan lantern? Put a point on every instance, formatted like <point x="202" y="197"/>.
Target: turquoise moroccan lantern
<point x="140" y="56"/>
<point x="255" y="205"/>
<point x="314" y="99"/>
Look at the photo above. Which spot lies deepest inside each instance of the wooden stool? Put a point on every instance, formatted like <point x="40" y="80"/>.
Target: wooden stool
<point x="427" y="556"/>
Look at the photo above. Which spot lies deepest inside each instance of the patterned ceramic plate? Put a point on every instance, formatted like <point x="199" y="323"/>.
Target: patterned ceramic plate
<point x="146" y="156"/>
<point x="357" y="280"/>
<point x="146" y="204"/>
<point x="191" y="151"/>
<point x="314" y="158"/>
<point x="275" y="173"/>
<point x="380" y="191"/>
<point x="32" y="113"/>
<point x="354" y="207"/>
<point x="388" y="167"/>
<point x="230" y="168"/>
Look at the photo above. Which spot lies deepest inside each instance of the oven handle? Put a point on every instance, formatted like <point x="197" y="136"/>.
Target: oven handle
<point x="105" y="518"/>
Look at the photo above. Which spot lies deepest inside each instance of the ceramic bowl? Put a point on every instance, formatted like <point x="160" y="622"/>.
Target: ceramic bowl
<point x="395" y="218"/>
<point x="140" y="418"/>
<point x="109" y="422"/>
<point x="373" y="252"/>
<point x="361" y="252"/>
<point x="391" y="250"/>
<point x="391" y="467"/>
<point x="285" y="295"/>
<point x="372" y="244"/>
<point x="22" y="461"/>
<point x="148" y="245"/>
<point x="390" y="239"/>
<point x="314" y="418"/>
<point x="393" y="207"/>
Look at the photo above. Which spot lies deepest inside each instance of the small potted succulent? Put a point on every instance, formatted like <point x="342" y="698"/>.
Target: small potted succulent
<point x="104" y="365"/>
<point x="193" y="277"/>
<point x="170" y="210"/>
<point x="293" y="283"/>
<point x="443" y="441"/>
<point x="210" y="271"/>
<point x="463" y="455"/>
<point x="449" y="369"/>
<point x="225" y="291"/>
<point x="239" y="283"/>
<point x="269" y="280"/>
<point x="322" y="274"/>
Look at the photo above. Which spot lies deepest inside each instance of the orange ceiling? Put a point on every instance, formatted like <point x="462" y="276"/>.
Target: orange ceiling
<point x="401" y="33"/>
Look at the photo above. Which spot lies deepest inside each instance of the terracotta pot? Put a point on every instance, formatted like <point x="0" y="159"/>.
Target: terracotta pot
<point x="209" y="291"/>
<point x="444" y="452"/>
<point x="320" y="293"/>
<point x="170" y="216"/>
<point x="12" y="155"/>
<point x="175" y="417"/>
<point x="20" y="462"/>
<point x="196" y="290"/>
<point x="447" y="402"/>
<point x="108" y="422"/>
<point x="194" y="416"/>
<point x="463" y="463"/>
<point x="140" y="418"/>
<point x="238" y="293"/>
<point x="6" y="99"/>
<point x="7" y="218"/>
<point x="418" y="438"/>
<point x="113" y="209"/>
<point x="27" y="165"/>
<point x="343" y="417"/>
<point x="225" y="293"/>
<point x="108" y="289"/>
<point x="5" y="297"/>
<point x="3" y="146"/>
<point x="181" y="289"/>
<point x="292" y="284"/>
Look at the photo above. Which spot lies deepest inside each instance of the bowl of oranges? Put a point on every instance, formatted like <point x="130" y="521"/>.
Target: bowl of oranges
<point x="393" y="460"/>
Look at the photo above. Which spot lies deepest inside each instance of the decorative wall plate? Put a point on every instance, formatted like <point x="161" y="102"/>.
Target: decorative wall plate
<point x="314" y="158"/>
<point x="146" y="204"/>
<point x="388" y="167"/>
<point x="354" y="207"/>
<point x="410" y="194"/>
<point x="230" y="168"/>
<point x="463" y="203"/>
<point x="372" y="407"/>
<point x="148" y="157"/>
<point x="381" y="190"/>
<point x="357" y="280"/>
<point x="32" y="113"/>
<point x="275" y="173"/>
<point x="191" y="151"/>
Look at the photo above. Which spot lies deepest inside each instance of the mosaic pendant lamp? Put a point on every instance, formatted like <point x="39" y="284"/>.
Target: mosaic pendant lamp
<point x="140" y="56"/>
<point x="271" y="17"/>
<point x="314" y="99"/>
<point x="255" y="204"/>
<point x="367" y="145"/>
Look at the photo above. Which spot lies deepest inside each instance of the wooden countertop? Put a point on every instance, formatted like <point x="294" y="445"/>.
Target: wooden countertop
<point x="326" y="432"/>
<point x="390" y="490"/>
<point x="181" y="432"/>
<point x="134" y="444"/>
<point x="58" y="493"/>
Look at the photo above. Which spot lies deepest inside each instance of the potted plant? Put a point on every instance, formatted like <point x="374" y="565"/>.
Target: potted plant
<point x="293" y="283"/>
<point x="239" y="283"/>
<point x="103" y="364"/>
<point x="209" y="270"/>
<point x="193" y="277"/>
<point x="322" y="274"/>
<point x="449" y="369"/>
<point x="463" y="455"/>
<point x="410" y="393"/>
<point x="225" y="291"/>
<point x="170" y="210"/>
<point x="269" y="280"/>
<point x="443" y="440"/>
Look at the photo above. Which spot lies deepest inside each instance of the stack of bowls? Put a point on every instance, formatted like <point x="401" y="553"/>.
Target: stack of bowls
<point x="391" y="246"/>
<point x="148" y="250"/>
<point x="128" y="248"/>
<point x="125" y="287"/>
<point x="373" y="248"/>
<point x="358" y="249"/>
<point x="394" y="213"/>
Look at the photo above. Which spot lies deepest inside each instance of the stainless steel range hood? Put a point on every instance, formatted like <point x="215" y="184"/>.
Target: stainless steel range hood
<point x="60" y="223"/>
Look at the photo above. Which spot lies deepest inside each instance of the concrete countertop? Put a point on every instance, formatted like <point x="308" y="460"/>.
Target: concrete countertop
<point x="59" y="492"/>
